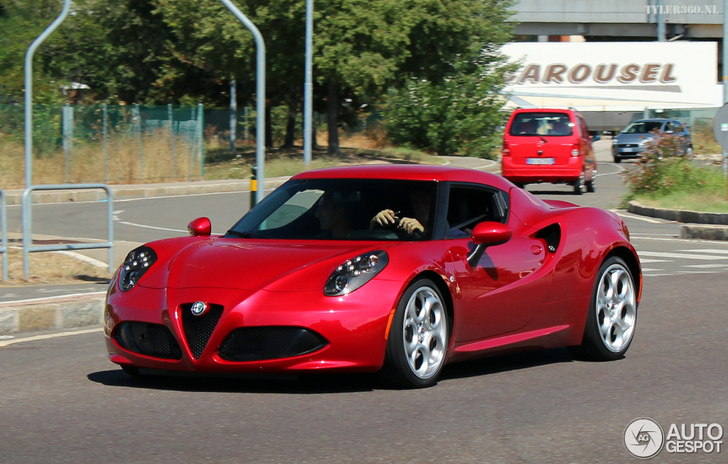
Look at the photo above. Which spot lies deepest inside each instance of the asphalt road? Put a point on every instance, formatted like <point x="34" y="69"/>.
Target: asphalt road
<point x="62" y="401"/>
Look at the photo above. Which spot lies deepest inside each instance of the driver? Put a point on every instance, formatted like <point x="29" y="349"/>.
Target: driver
<point x="420" y="204"/>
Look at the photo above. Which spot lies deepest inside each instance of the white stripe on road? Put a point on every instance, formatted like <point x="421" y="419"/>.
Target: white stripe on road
<point x="704" y="250"/>
<point x="143" y="226"/>
<point x="625" y="214"/>
<point x="707" y="266"/>
<point x="15" y="341"/>
<point x="661" y="254"/>
<point x="645" y="261"/>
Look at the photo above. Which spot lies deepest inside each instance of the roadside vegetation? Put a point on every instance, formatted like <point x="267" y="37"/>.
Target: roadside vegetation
<point x="666" y="178"/>
<point x="367" y="55"/>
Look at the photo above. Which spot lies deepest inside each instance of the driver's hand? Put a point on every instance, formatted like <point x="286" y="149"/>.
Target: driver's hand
<point x="384" y="218"/>
<point x="411" y="225"/>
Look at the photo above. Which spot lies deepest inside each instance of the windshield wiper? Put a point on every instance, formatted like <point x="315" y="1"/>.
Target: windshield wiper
<point x="242" y="234"/>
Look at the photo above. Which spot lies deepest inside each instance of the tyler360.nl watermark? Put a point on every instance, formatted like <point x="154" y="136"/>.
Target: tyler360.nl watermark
<point x="682" y="9"/>
<point x="644" y="438"/>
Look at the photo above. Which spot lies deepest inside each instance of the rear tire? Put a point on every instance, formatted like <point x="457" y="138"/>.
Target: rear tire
<point x="610" y="324"/>
<point x="579" y="184"/>
<point x="591" y="185"/>
<point x="418" y="338"/>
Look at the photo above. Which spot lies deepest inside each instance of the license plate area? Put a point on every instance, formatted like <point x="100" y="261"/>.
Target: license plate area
<point x="540" y="161"/>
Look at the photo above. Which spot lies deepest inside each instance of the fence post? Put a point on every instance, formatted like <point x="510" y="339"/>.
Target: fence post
<point x="193" y="133"/>
<point x="106" y="145"/>
<point x="137" y="120"/>
<point x="245" y="127"/>
<point x="201" y="138"/>
<point x="67" y="137"/>
<point x="171" y="138"/>
<point x="233" y="116"/>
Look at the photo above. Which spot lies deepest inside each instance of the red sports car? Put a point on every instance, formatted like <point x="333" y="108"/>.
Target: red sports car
<point x="396" y="269"/>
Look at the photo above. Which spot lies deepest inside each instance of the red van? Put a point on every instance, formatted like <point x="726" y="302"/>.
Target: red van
<point x="549" y="145"/>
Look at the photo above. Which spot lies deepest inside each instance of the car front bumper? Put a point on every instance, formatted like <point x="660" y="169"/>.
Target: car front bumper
<point x="262" y="331"/>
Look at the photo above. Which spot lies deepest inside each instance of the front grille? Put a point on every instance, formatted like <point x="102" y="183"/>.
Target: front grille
<point x="261" y="343"/>
<point x="198" y="329"/>
<point x="628" y="145"/>
<point x="154" y="340"/>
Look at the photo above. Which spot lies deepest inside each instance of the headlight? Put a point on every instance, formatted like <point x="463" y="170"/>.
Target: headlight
<point x="355" y="272"/>
<point x="135" y="265"/>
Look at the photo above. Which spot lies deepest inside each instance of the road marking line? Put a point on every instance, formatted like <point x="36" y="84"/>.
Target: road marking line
<point x="143" y="226"/>
<point x="647" y="269"/>
<point x="705" y="250"/>
<point x="706" y="266"/>
<point x="84" y="258"/>
<point x="47" y="336"/>
<point x="643" y="261"/>
<point x="661" y="254"/>
<point x="684" y="241"/>
<point x="634" y="216"/>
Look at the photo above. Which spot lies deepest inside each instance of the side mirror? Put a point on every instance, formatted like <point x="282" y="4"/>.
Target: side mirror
<point x="487" y="234"/>
<point x="200" y="227"/>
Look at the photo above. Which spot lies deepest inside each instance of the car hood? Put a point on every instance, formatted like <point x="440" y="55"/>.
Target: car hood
<point x="247" y="264"/>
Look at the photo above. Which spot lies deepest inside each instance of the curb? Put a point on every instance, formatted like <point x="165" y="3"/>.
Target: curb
<point x="699" y="225"/>
<point x="125" y="191"/>
<point x="72" y="311"/>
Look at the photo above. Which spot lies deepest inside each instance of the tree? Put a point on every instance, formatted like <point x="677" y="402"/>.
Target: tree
<point x="450" y="102"/>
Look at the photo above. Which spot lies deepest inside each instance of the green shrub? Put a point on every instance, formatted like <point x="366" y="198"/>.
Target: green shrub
<point x="460" y="115"/>
<point x="665" y="170"/>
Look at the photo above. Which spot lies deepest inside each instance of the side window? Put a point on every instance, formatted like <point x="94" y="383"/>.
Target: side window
<point x="669" y="127"/>
<point x="467" y="206"/>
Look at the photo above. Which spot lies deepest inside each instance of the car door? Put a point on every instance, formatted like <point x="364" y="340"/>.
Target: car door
<point x="500" y="294"/>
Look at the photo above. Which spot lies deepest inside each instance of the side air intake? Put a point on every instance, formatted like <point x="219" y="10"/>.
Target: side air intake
<point x="552" y="236"/>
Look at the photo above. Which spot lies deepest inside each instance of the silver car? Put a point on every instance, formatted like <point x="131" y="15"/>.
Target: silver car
<point x="632" y="141"/>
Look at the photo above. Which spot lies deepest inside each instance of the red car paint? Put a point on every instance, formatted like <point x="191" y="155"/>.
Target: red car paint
<point x="519" y="294"/>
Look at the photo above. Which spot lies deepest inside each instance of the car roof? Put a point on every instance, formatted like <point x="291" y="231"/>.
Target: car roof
<point x="408" y="172"/>
<point x="653" y="120"/>
<point x="545" y="110"/>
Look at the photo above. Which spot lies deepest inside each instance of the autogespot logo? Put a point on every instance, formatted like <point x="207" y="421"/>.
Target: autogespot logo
<point x="643" y="438"/>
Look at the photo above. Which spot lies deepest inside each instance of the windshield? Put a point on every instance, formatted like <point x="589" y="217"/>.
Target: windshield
<point x="557" y="124"/>
<point x="343" y="209"/>
<point x="642" y="127"/>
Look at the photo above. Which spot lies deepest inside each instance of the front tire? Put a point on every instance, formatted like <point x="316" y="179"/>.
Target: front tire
<point x="418" y="338"/>
<point x="612" y="317"/>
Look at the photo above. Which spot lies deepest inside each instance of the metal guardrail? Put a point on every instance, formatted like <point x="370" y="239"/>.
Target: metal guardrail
<point x="28" y="221"/>
<point x="4" y="241"/>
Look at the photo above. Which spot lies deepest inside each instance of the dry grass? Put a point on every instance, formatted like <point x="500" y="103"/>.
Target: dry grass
<point x="125" y="165"/>
<point x="86" y="164"/>
<point x="49" y="267"/>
